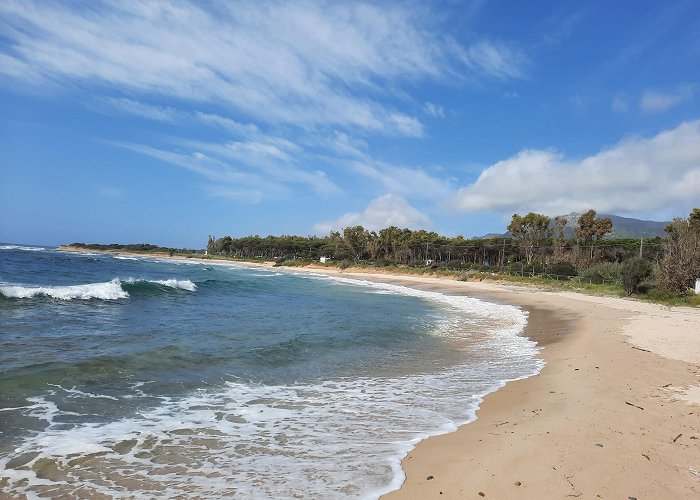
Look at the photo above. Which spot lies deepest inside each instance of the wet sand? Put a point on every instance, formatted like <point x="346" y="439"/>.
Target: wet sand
<point x="608" y="417"/>
<point x="615" y="413"/>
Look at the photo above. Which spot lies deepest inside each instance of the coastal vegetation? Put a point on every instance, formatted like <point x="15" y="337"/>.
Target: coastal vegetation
<point x="536" y="248"/>
<point x="145" y="248"/>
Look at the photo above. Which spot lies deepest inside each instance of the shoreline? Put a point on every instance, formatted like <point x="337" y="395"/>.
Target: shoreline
<point x="599" y="420"/>
<point x="614" y="413"/>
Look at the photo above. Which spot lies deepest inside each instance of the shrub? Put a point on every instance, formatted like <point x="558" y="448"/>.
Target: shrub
<point x="634" y="271"/>
<point x="563" y="269"/>
<point x="603" y="272"/>
<point x="680" y="264"/>
<point x="345" y="264"/>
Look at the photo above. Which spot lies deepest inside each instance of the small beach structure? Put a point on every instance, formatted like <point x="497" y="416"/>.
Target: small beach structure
<point x="324" y="259"/>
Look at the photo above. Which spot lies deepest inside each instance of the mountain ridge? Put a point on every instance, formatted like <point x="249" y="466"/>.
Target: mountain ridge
<point x="623" y="227"/>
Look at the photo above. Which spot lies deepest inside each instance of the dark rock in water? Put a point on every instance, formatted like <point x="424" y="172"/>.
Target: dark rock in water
<point x="21" y="460"/>
<point x="47" y="468"/>
<point x="124" y="447"/>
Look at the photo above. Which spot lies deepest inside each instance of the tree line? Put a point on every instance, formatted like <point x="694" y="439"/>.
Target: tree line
<point x="535" y="241"/>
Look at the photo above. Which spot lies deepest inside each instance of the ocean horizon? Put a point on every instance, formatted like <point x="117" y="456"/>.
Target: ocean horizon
<point x="126" y="375"/>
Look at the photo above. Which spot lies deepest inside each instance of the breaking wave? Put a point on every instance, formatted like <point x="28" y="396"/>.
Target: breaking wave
<point x="111" y="290"/>
<point x="21" y="247"/>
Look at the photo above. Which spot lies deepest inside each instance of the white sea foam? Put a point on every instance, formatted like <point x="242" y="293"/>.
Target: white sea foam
<point x="506" y="320"/>
<point x="170" y="283"/>
<point x="335" y="439"/>
<point x="173" y="283"/>
<point x="73" y="392"/>
<point x="22" y="247"/>
<point x="340" y="438"/>
<point x="124" y="257"/>
<point x="109" y="290"/>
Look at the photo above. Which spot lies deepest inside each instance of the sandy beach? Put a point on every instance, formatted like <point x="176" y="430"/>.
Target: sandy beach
<point x="615" y="413"/>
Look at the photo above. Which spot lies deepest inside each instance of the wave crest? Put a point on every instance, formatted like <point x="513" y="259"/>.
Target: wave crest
<point x="110" y="290"/>
<point x="22" y="247"/>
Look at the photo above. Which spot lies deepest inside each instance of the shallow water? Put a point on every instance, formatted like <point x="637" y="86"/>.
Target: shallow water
<point x="160" y="378"/>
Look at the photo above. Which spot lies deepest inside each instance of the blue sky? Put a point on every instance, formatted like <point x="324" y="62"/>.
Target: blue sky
<point x="165" y="122"/>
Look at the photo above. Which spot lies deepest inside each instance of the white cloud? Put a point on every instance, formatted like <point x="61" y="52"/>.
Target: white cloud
<point x="406" y="181"/>
<point x="384" y="211"/>
<point x="168" y="114"/>
<point x="124" y="105"/>
<point x="244" y="129"/>
<point x="656" y="102"/>
<point x="643" y="175"/>
<point x="434" y="110"/>
<point x="495" y="59"/>
<point x="301" y="63"/>
<point x="275" y="158"/>
<point x="221" y="178"/>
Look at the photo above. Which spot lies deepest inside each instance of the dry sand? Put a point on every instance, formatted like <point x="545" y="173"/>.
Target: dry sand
<point x="615" y="413"/>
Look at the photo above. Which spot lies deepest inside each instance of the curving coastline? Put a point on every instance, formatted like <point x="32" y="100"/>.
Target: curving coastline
<point x="613" y="413"/>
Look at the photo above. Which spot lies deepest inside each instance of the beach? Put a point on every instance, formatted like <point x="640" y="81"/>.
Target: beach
<point x="615" y="413"/>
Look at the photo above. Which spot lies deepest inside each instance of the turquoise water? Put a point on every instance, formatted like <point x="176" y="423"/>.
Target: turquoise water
<point x="134" y="376"/>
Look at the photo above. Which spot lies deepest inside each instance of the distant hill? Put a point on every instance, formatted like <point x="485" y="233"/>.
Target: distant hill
<point x="623" y="227"/>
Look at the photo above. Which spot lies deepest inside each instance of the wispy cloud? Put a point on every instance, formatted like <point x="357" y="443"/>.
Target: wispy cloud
<point x="641" y="175"/>
<point x="221" y="179"/>
<point x="403" y="180"/>
<point x="274" y="158"/>
<point x="302" y="63"/>
<point x="123" y="105"/>
<point x="495" y="59"/>
<point x="384" y="211"/>
<point x="169" y="114"/>
<point x="434" y="110"/>
<point x="657" y="102"/>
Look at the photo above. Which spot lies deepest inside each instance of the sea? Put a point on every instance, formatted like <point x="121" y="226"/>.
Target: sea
<point x="138" y="377"/>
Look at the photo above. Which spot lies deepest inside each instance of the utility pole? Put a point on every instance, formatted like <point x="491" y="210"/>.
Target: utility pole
<point x="641" y="245"/>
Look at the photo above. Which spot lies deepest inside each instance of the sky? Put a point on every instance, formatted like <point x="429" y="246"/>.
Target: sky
<point x="166" y="122"/>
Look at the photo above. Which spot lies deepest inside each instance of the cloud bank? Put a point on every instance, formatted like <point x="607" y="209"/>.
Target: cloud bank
<point x="641" y="175"/>
<point x="384" y="211"/>
<point x="301" y="63"/>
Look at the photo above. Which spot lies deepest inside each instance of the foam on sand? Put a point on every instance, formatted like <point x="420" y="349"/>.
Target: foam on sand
<point x="282" y="441"/>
